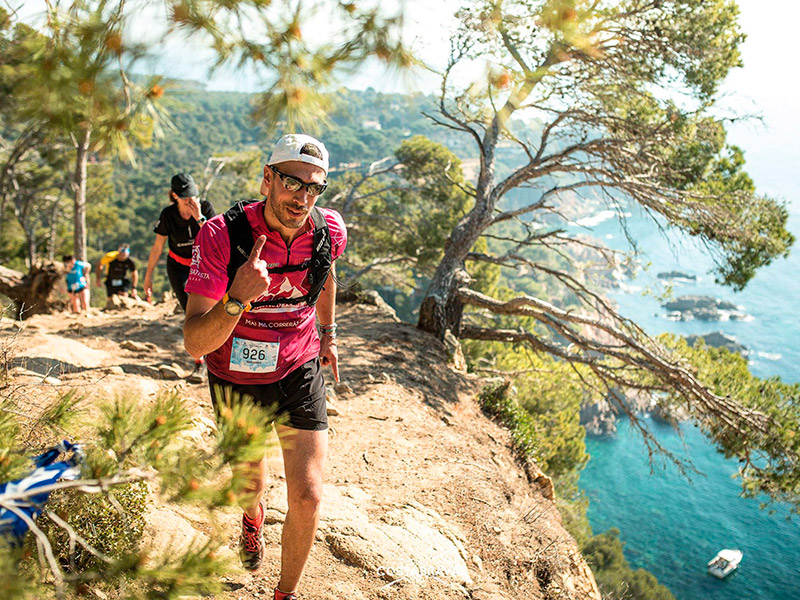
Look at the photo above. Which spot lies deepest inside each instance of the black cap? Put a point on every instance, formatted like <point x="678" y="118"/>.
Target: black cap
<point x="184" y="186"/>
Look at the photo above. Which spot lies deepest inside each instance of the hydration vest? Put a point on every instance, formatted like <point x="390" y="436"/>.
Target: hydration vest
<point x="240" y="236"/>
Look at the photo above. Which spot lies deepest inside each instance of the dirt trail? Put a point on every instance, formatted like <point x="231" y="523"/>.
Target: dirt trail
<point x="423" y="498"/>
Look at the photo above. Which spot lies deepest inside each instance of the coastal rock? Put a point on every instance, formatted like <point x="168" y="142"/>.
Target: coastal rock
<point x="703" y="308"/>
<point x="670" y="414"/>
<point x="717" y="339"/>
<point x="678" y="276"/>
<point x="598" y="418"/>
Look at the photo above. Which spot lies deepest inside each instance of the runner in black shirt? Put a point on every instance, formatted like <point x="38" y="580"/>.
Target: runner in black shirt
<point x="117" y="269"/>
<point x="178" y="225"/>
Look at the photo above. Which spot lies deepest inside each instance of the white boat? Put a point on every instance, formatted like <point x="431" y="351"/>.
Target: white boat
<point x="725" y="562"/>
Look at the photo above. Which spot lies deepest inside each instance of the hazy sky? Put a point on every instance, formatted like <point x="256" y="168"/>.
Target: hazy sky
<point x="767" y="84"/>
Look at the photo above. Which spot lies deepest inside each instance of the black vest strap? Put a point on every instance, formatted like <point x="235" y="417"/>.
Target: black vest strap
<point x="240" y="235"/>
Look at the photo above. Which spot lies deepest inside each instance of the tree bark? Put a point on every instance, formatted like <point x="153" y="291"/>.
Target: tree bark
<point x="79" y="183"/>
<point x="31" y="293"/>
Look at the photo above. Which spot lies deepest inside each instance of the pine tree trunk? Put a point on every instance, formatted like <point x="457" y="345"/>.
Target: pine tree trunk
<point x="30" y="240"/>
<point x="52" y="237"/>
<point x="79" y="183"/>
<point x="441" y="309"/>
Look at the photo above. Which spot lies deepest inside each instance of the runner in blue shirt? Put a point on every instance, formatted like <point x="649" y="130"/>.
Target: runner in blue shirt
<point x="78" y="272"/>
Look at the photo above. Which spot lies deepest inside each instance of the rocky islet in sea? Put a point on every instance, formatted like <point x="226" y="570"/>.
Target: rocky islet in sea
<point x="703" y="308"/>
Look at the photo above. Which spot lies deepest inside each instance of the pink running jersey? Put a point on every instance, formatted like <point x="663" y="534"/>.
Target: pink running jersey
<point x="289" y="328"/>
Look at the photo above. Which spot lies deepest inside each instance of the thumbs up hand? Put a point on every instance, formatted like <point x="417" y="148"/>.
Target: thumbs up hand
<point x="252" y="278"/>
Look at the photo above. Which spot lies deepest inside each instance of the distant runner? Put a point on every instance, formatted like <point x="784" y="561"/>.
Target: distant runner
<point x="117" y="265"/>
<point x="78" y="273"/>
<point x="179" y="223"/>
<point x="256" y="275"/>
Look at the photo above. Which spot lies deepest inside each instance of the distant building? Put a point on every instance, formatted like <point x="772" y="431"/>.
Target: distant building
<point x="376" y="125"/>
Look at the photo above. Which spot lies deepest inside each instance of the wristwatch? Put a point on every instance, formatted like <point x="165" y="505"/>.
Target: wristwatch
<point x="233" y="306"/>
<point x="201" y="220"/>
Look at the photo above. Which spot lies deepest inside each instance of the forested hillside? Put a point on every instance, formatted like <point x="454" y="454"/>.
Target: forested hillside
<point x="124" y="200"/>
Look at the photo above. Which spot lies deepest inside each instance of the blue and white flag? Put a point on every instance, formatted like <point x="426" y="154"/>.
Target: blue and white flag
<point x="47" y="472"/>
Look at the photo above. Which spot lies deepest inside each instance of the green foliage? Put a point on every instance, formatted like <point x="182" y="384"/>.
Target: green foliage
<point x="15" y="577"/>
<point x="243" y="426"/>
<point x="541" y="408"/>
<point x="132" y="450"/>
<point x="496" y="401"/>
<point x="767" y="456"/>
<point x="614" y="576"/>
<point x="399" y="220"/>
<point x="113" y="529"/>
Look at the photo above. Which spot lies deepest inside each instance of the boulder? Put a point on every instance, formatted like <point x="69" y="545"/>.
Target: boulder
<point x="342" y="388"/>
<point x="390" y="542"/>
<point x="454" y="352"/>
<point x="411" y="542"/>
<point x="138" y="346"/>
<point x="718" y="339"/>
<point x="374" y="298"/>
<point x="120" y="302"/>
<point x="676" y="275"/>
<point x="703" y="308"/>
<point x="170" y="372"/>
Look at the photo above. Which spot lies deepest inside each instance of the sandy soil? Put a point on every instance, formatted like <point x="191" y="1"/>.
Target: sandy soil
<point x="409" y="432"/>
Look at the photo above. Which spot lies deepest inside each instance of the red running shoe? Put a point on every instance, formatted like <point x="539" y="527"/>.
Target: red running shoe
<point x="251" y="544"/>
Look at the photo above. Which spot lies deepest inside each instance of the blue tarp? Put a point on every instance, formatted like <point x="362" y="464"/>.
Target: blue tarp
<point x="47" y="472"/>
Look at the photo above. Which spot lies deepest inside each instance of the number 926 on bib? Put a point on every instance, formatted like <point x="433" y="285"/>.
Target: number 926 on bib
<point x="249" y="356"/>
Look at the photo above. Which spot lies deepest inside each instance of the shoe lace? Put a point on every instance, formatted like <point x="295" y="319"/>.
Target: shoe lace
<point x="250" y="535"/>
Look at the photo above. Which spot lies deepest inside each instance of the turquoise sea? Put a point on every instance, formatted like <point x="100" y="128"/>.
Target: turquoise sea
<point x="671" y="526"/>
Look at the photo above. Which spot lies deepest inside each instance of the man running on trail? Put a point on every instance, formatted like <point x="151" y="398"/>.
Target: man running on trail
<point x="271" y="350"/>
<point x="179" y="223"/>
<point x="117" y="265"/>
<point x="78" y="273"/>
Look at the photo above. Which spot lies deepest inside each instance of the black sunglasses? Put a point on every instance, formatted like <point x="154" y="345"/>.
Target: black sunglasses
<point x="293" y="183"/>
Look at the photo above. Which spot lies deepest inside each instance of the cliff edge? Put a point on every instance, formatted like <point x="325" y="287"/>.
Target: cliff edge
<point x="423" y="496"/>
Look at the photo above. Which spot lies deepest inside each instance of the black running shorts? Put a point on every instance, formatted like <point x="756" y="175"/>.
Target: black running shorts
<point x="178" y="274"/>
<point x="122" y="286"/>
<point x="299" y="396"/>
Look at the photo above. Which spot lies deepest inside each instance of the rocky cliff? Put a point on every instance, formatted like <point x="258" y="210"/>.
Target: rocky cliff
<point x="423" y="497"/>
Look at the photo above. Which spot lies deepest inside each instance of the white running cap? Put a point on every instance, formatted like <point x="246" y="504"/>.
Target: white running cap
<point x="289" y="148"/>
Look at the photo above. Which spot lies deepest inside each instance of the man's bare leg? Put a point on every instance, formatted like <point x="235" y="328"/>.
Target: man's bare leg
<point x="304" y="454"/>
<point x="84" y="298"/>
<point x="254" y="473"/>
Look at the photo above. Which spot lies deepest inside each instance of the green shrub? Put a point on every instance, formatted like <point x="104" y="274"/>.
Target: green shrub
<point x="96" y="520"/>
<point x="497" y="401"/>
<point x="613" y="574"/>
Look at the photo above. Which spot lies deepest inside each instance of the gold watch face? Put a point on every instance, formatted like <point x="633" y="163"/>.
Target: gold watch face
<point x="233" y="308"/>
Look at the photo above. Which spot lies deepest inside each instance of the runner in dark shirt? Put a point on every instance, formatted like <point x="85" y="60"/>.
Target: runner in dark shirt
<point x="117" y="266"/>
<point x="178" y="225"/>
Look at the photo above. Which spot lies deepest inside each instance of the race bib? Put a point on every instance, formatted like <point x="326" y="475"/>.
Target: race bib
<point x="116" y="282"/>
<point x="248" y="356"/>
